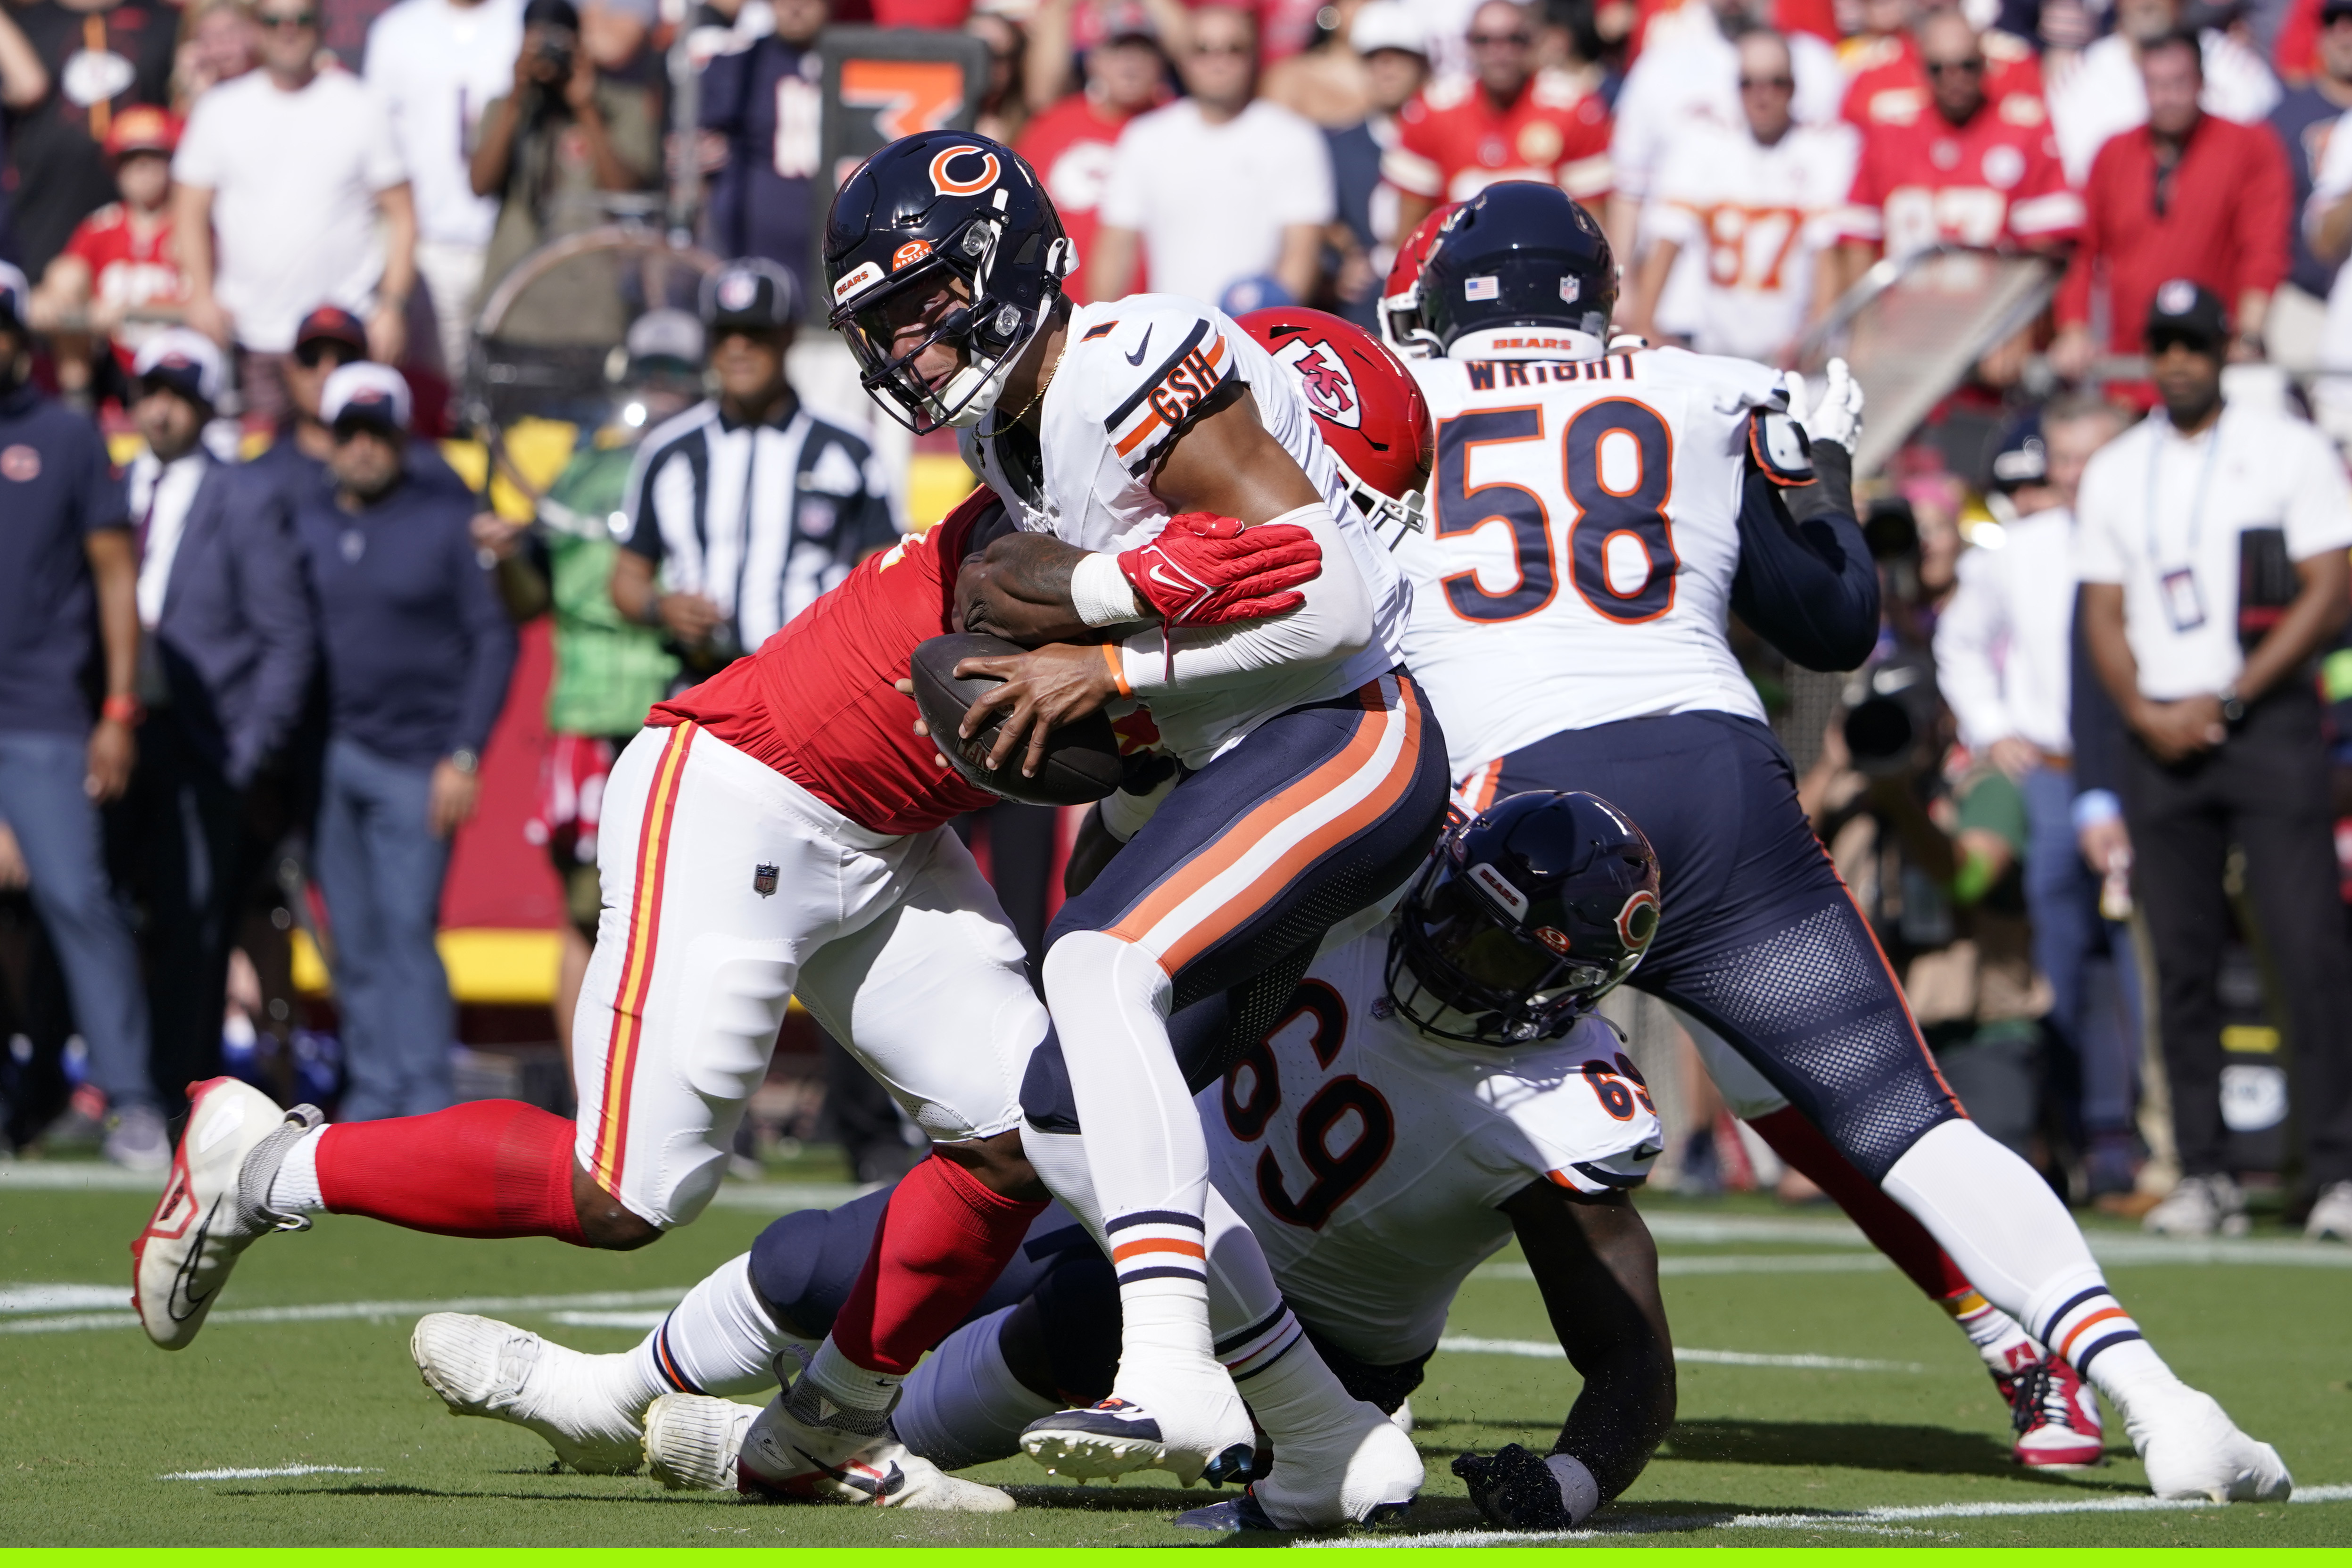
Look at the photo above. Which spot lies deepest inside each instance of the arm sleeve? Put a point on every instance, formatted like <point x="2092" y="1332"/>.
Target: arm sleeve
<point x="2096" y="557"/>
<point x="1412" y="164"/>
<point x="720" y="106"/>
<point x="385" y="168"/>
<point x="1860" y="218"/>
<point x="2265" y="214"/>
<point x="2072" y="304"/>
<point x="1810" y="589"/>
<point x="269" y="587"/>
<point x="2097" y="723"/>
<point x="98" y="496"/>
<point x="490" y="643"/>
<point x="643" y="535"/>
<point x="1334" y="624"/>
<point x="197" y="160"/>
<point x="1965" y="635"/>
<point x="2319" y="509"/>
<point x="1123" y="191"/>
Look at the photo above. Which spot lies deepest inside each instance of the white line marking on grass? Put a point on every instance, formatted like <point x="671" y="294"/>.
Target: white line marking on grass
<point x="60" y="1297"/>
<point x="1636" y="1520"/>
<point x="75" y="1176"/>
<point x="334" y="1311"/>
<point x="645" y="1319"/>
<point x="1728" y="1263"/>
<point x="252" y="1475"/>
<point x="1541" y="1350"/>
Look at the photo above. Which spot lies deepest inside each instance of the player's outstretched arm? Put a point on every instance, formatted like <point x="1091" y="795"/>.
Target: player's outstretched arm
<point x="1597" y="1268"/>
<point x="1807" y="583"/>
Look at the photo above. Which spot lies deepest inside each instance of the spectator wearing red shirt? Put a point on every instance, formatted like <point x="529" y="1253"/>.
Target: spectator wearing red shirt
<point x="1966" y="174"/>
<point x="2188" y="194"/>
<point x="118" y="259"/>
<point x="1507" y="122"/>
<point x="1890" y="83"/>
<point x="1070" y="145"/>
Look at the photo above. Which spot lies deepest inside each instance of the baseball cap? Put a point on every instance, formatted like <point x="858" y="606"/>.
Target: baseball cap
<point x="2021" y="459"/>
<point x="665" y="335"/>
<point x="2186" y="312"/>
<point x="751" y="294"/>
<point x="366" y="393"/>
<point x="142" y="127"/>
<point x="1129" y="22"/>
<point x="332" y="324"/>
<point x="2330" y="10"/>
<point x="184" y="361"/>
<point x="1388" y="24"/>
<point x="553" y="14"/>
<point x="16" y="295"/>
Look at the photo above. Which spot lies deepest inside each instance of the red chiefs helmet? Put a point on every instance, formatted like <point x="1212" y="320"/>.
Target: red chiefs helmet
<point x="1371" y="413"/>
<point x="1400" y="306"/>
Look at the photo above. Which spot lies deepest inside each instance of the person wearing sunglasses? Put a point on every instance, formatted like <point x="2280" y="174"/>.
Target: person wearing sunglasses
<point x="1890" y="85"/>
<point x="1507" y="124"/>
<point x="291" y="191"/>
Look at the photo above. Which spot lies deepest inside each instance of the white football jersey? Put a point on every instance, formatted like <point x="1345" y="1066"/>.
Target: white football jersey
<point x="1369" y="1158"/>
<point x="1131" y="371"/>
<point x="1750" y="221"/>
<point x="1582" y="537"/>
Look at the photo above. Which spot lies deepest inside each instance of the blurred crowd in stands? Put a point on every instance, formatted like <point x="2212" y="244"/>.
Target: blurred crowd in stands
<point x="2088" y="789"/>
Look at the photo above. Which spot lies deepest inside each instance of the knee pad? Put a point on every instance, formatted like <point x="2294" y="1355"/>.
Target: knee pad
<point x="1814" y="1009"/>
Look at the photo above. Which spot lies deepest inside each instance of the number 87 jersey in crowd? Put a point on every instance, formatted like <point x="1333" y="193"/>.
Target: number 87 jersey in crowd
<point x="1583" y="516"/>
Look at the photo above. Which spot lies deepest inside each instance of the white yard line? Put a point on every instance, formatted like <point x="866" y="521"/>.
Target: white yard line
<point x="623" y="1319"/>
<point x="1634" y="1521"/>
<point x="248" y="1475"/>
<point x="1543" y="1350"/>
<point x="332" y="1311"/>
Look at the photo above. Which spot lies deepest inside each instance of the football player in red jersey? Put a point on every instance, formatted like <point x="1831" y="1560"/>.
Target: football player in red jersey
<point x="1964" y="175"/>
<point x="1507" y="121"/>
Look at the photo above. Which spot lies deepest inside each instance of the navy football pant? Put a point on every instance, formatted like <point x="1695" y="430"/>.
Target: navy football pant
<point x="1757" y="937"/>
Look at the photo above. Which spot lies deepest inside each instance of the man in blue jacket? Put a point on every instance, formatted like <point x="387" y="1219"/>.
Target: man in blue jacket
<point x="417" y="651"/>
<point x="226" y="661"/>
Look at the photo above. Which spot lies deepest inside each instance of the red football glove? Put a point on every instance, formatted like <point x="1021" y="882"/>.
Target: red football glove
<point x="1205" y="570"/>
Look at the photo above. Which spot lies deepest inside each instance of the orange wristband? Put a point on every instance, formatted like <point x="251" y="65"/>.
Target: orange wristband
<point x="1117" y="670"/>
<point x="122" y="709"/>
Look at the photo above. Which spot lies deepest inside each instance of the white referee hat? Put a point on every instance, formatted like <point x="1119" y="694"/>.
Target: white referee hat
<point x="185" y="361"/>
<point x="365" y="391"/>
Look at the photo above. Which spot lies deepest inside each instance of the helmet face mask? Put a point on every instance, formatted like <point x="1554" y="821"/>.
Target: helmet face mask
<point x="1524" y="919"/>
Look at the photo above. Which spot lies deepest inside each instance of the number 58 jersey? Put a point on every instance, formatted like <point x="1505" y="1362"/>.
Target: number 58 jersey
<point x="1582" y="537"/>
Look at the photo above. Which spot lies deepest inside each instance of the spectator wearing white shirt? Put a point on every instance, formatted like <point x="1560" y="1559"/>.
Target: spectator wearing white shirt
<point x="2326" y="220"/>
<point x="1688" y="73"/>
<point x="1739" y="217"/>
<point x="1217" y="187"/>
<point x="2199" y="527"/>
<point x="2100" y="95"/>
<point x="2004" y="662"/>
<point x="291" y="191"/>
<point x="437" y="64"/>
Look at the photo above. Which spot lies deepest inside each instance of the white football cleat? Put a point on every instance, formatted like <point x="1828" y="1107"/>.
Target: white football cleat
<point x="692" y="1439"/>
<point x="481" y="1366"/>
<point x="215" y="1205"/>
<point x="782" y="1457"/>
<point x="1172" y="1416"/>
<point x="1366" y="1472"/>
<point x="2192" y="1448"/>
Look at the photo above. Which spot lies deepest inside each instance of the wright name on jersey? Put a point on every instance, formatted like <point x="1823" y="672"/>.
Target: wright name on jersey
<point x="1583" y="535"/>
<point x="1369" y="1159"/>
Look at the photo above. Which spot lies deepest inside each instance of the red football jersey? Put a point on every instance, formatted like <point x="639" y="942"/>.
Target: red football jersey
<point x="1070" y="145"/>
<point x="1890" y="84"/>
<point x="128" y="271"/>
<point x="818" y="704"/>
<point x="1988" y="184"/>
<point x="1453" y="142"/>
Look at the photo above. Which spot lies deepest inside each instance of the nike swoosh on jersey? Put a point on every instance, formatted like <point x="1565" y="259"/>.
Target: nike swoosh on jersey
<point x="1136" y="358"/>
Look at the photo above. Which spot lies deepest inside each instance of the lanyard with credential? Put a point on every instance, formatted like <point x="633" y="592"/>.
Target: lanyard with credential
<point x="2178" y="588"/>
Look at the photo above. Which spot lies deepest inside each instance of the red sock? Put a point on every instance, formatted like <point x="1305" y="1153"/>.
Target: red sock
<point x="942" y="1242"/>
<point x="490" y="1168"/>
<point x="1889" y="1225"/>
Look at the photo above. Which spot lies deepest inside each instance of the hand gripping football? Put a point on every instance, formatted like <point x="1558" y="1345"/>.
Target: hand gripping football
<point x="1082" y="762"/>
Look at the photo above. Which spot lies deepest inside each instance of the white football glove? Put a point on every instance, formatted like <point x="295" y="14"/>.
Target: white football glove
<point x="1838" y="416"/>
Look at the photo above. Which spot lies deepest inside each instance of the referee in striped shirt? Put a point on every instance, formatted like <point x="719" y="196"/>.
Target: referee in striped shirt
<point x="743" y="509"/>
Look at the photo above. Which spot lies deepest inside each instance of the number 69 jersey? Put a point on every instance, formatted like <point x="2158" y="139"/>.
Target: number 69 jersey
<point x="1367" y="1159"/>
<point x="1582" y="537"/>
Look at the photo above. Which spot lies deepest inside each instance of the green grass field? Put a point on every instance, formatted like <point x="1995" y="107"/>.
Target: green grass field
<point x="309" y="1426"/>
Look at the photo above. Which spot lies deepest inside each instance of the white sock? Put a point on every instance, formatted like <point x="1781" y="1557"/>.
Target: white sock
<point x="963" y="1405"/>
<point x="720" y="1340"/>
<point x="2018" y="1245"/>
<point x="295" y="1188"/>
<point x="1109" y="1000"/>
<point x="2004" y="1345"/>
<point x="848" y="1383"/>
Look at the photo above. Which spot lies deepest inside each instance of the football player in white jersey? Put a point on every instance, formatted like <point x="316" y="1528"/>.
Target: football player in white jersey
<point x="1434" y="1088"/>
<point x="1313" y="780"/>
<point x="1595" y="516"/>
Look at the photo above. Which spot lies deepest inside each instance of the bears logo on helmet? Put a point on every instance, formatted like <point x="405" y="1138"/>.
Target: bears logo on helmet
<point x="1369" y="413"/>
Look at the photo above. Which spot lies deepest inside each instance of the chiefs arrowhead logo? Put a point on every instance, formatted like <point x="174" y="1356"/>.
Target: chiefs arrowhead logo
<point x="1325" y="381"/>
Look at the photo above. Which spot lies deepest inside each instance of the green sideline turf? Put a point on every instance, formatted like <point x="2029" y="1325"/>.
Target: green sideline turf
<point x="95" y="1424"/>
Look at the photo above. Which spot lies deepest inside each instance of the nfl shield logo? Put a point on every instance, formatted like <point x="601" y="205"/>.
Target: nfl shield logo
<point x="763" y="881"/>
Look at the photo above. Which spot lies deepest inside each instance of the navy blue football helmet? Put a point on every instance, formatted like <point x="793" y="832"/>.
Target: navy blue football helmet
<point x="1520" y="253"/>
<point x="928" y="213"/>
<point x="1527" y="915"/>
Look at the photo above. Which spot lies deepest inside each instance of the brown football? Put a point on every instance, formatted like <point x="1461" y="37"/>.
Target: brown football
<point x="1082" y="761"/>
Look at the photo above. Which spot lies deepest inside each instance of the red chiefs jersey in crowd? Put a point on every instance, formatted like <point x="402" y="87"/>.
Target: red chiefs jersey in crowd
<point x="1985" y="184"/>
<point x="1454" y="142"/>
<point x="127" y="271"/>
<point x="1890" y="84"/>
<point x="1070" y="145"/>
<point x="818" y="702"/>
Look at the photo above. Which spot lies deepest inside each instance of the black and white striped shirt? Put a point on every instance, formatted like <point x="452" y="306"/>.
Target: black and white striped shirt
<point x="760" y="519"/>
